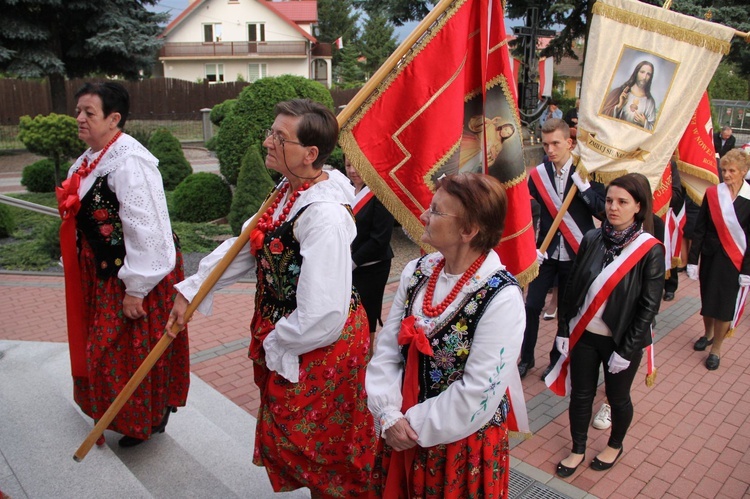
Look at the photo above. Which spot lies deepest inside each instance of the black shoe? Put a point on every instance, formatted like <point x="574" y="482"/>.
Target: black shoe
<point x="702" y="343"/>
<point x="712" y="362"/>
<point x="525" y="367"/>
<point x="564" y="472"/>
<point x="668" y="296"/>
<point x="547" y="371"/>
<point x="598" y="465"/>
<point x="127" y="441"/>
<point x="161" y="426"/>
<point x="681" y="269"/>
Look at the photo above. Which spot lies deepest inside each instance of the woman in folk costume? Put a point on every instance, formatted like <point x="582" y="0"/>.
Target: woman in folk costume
<point x="613" y="295"/>
<point x="445" y="361"/>
<point x="720" y="240"/>
<point x="371" y="249"/>
<point x="310" y="341"/>
<point x="121" y="263"/>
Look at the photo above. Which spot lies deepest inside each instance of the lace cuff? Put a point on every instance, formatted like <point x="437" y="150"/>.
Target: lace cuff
<point x="279" y="360"/>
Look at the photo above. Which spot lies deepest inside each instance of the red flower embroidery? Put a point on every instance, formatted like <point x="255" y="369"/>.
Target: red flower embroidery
<point x="106" y="229"/>
<point x="101" y="215"/>
<point x="276" y="246"/>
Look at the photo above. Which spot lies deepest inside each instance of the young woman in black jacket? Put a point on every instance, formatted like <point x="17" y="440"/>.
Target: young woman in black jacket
<point x="611" y="299"/>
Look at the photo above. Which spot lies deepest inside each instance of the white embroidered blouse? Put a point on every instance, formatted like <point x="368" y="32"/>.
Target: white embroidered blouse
<point x="456" y="413"/>
<point x="136" y="181"/>
<point x="325" y="231"/>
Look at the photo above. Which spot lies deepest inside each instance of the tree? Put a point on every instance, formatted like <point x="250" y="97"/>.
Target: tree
<point x="349" y="73"/>
<point x="574" y="17"/>
<point x="336" y="19"/>
<point x="77" y="38"/>
<point x="377" y="42"/>
<point x="727" y="84"/>
<point x="253" y="185"/>
<point x="54" y="136"/>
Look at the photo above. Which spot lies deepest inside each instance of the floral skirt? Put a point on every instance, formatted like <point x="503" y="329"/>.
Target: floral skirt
<point x="116" y="347"/>
<point x="475" y="467"/>
<point x="318" y="433"/>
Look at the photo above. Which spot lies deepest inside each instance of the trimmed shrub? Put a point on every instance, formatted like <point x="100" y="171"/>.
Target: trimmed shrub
<point x="336" y="160"/>
<point x="201" y="197"/>
<point x="254" y="112"/>
<point x="7" y="222"/>
<point x="173" y="165"/>
<point x="253" y="185"/>
<point x="220" y="111"/>
<point x="49" y="240"/>
<point x="141" y="134"/>
<point x="54" y="136"/>
<point x="174" y="168"/>
<point x="40" y="176"/>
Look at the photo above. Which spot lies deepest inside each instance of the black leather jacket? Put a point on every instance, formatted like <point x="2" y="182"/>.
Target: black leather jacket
<point x="633" y="303"/>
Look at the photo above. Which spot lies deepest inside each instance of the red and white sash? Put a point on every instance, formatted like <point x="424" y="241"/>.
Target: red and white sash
<point x="723" y="216"/>
<point x="674" y="227"/>
<point x="558" y="380"/>
<point x="568" y="228"/>
<point x="361" y="199"/>
<point x="731" y="235"/>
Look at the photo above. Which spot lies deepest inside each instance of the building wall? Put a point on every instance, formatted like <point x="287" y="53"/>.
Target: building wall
<point x="234" y="18"/>
<point x="196" y="70"/>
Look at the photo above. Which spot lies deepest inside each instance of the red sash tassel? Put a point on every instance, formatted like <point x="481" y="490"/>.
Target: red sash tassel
<point x="68" y="204"/>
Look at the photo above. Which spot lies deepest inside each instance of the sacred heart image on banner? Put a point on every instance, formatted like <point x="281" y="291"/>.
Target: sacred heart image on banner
<point x="638" y="87"/>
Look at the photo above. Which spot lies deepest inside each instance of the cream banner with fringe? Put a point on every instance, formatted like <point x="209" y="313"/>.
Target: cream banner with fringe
<point x="646" y="69"/>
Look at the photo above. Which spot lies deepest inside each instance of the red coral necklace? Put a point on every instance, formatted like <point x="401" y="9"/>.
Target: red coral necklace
<point x="266" y="222"/>
<point x="427" y="308"/>
<point x="85" y="168"/>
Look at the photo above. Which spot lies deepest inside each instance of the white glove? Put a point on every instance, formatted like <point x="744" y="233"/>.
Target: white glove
<point x="578" y="181"/>
<point x="540" y="257"/>
<point x="744" y="280"/>
<point x="562" y="345"/>
<point x="692" y="272"/>
<point x="617" y="363"/>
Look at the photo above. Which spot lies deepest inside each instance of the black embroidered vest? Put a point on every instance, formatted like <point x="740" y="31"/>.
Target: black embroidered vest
<point x="278" y="269"/>
<point x="451" y="339"/>
<point x="99" y="222"/>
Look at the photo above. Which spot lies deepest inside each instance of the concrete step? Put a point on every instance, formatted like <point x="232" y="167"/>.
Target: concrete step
<point x="205" y="452"/>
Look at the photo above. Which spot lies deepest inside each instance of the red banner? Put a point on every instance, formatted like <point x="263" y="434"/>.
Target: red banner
<point x="448" y="106"/>
<point x="696" y="156"/>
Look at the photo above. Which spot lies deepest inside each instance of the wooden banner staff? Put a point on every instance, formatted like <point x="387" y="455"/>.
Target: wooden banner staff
<point x="556" y="222"/>
<point x="166" y="340"/>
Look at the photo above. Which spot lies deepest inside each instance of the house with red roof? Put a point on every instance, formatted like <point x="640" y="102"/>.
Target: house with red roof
<point x="236" y="40"/>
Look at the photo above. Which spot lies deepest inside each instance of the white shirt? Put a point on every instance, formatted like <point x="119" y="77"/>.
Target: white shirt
<point x="561" y="179"/>
<point x="136" y="181"/>
<point x="325" y="232"/>
<point x="448" y="417"/>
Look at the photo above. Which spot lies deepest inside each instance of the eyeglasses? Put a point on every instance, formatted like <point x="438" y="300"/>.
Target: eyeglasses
<point x="431" y="212"/>
<point x="278" y="139"/>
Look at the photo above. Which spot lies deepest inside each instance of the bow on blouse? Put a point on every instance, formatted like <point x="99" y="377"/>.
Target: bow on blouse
<point x="418" y="343"/>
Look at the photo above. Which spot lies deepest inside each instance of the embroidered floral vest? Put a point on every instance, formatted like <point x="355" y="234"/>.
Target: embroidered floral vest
<point x="451" y="339"/>
<point x="278" y="269"/>
<point x="99" y="222"/>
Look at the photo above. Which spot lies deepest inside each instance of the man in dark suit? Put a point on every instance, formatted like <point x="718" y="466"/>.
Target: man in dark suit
<point x="723" y="141"/>
<point x="549" y="183"/>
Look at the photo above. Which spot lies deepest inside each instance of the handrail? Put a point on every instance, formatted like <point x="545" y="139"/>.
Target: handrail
<point x="26" y="205"/>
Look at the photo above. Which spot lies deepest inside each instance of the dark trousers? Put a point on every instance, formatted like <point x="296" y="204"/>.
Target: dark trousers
<point x="591" y="351"/>
<point x="535" y="299"/>
<point x="670" y="283"/>
<point x="370" y="282"/>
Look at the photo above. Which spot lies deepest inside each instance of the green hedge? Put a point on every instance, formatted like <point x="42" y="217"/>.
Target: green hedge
<point x="40" y="176"/>
<point x="201" y="197"/>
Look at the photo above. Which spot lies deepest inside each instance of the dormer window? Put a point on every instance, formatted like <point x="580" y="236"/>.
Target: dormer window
<point x="212" y="32"/>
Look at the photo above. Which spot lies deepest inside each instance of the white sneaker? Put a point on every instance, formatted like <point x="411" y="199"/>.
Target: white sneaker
<point x="549" y="317"/>
<point x="603" y="418"/>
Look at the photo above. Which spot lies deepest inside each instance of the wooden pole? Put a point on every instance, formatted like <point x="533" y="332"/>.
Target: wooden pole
<point x="166" y="340"/>
<point x="392" y="61"/>
<point x="558" y="218"/>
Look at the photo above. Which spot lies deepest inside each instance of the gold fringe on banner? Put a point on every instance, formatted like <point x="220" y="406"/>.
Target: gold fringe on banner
<point x="676" y="261"/>
<point x="660" y="213"/>
<point x="528" y="275"/>
<point x="663" y="28"/>
<point x="520" y="434"/>
<point x="651" y="379"/>
<point x="730" y="333"/>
